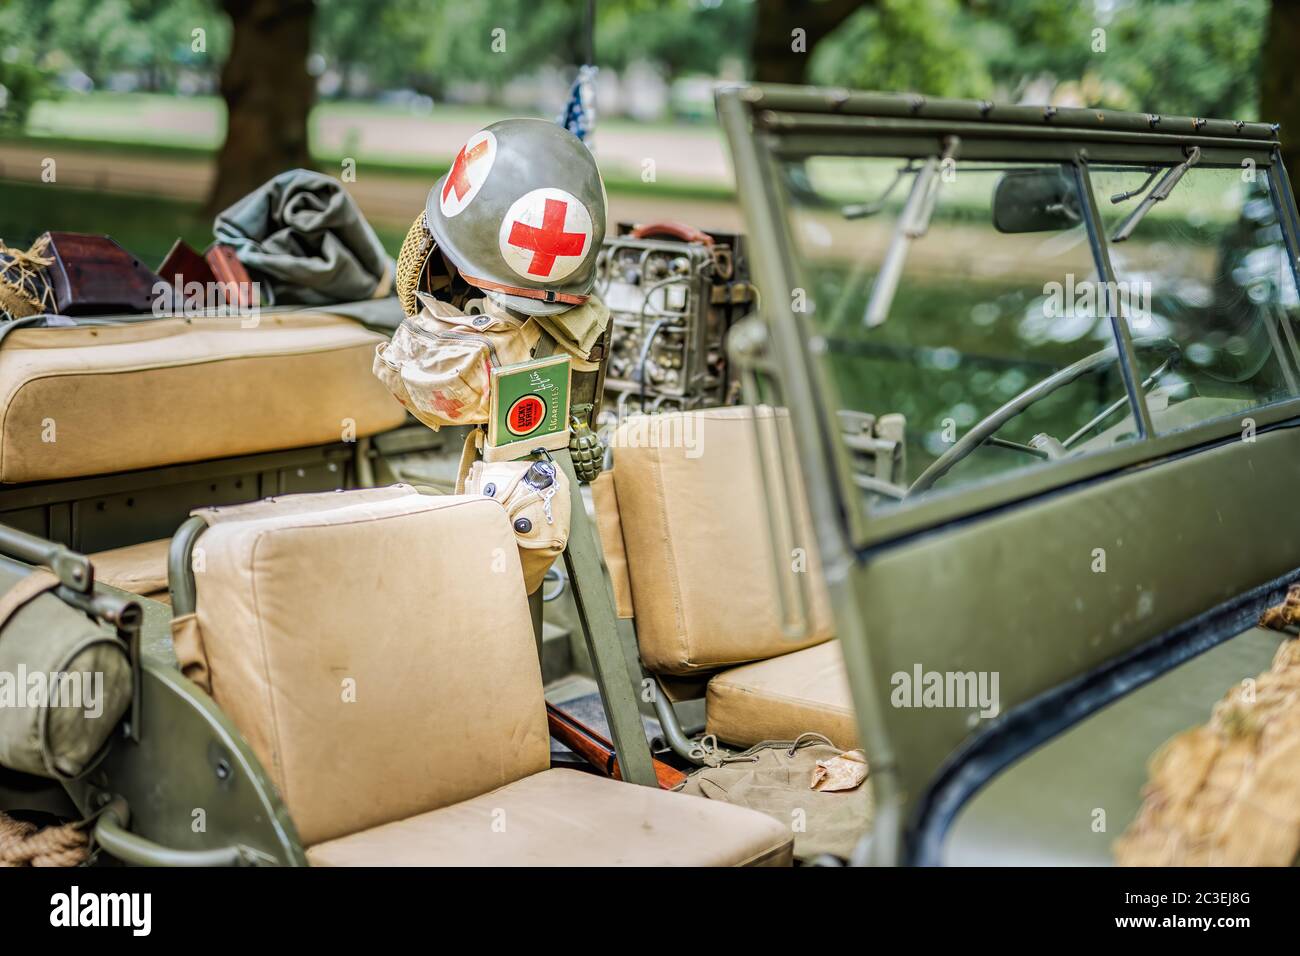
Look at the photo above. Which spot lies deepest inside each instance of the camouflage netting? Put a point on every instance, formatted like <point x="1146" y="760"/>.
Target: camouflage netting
<point x="410" y="263"/>
<point x="24" y="283"/>
<point x="1228" y="793"/>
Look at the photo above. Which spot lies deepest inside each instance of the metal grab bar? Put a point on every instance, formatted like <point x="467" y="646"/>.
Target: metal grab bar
<point x="111" y="834"/>
<point x="180" y="565"/>
<point x="676" y="738"/>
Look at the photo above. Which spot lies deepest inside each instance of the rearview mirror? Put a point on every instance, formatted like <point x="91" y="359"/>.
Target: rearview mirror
<point x="1035" y="200"/>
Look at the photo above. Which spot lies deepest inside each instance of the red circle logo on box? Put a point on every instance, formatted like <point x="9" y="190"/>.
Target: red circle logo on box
<point x="526" y="415"/>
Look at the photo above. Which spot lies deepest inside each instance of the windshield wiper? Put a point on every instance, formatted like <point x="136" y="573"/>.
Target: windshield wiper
<point x="1158" y="194"/>
<point x="1130" y="193"/>
<point x="913" y="222"/>
<point x="861" y="210"/>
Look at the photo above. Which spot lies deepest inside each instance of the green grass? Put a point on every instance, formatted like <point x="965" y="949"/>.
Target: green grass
<point x="74" y="113"/>
<point x="121" y="124"/>
<point x="124" y="117"/>
<point x="425" y="171"/>
<point x="147" y="226"/>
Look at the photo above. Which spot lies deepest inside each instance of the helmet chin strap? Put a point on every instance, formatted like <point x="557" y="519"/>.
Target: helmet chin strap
<point x="542" y="295"/>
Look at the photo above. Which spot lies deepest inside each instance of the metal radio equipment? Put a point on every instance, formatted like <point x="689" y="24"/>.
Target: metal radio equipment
<point x="673" y="291"/>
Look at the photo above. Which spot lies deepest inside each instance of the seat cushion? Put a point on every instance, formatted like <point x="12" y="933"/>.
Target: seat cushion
<point x="781" y="698"/>
<point x="376" y="656"/>
<point x="569" y="818"/>
<point x="700" y="552"/>
<point x="138" y="568"/>
<point x="95" y="399"/>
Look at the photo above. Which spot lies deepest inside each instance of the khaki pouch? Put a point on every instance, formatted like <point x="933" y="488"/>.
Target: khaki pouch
<point x="439" y="362"/>
<point x="541" y="536"/>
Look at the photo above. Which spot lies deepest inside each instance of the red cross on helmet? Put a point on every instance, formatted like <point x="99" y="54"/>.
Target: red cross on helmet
<point x="521" y="214"/>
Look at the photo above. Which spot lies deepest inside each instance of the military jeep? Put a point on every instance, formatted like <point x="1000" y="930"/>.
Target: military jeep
<point x="1000" y="505"/>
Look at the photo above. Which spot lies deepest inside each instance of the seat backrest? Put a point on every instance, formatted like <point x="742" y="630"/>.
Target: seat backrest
<point x="378" y="656"/>
<point x="693" y="531"/>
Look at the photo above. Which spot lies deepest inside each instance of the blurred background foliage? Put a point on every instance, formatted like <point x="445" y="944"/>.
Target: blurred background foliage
<point x="397" y="83"/>
<point x="1193" y="56"/>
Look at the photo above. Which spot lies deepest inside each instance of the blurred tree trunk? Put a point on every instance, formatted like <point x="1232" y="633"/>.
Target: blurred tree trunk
<point x="774" y="55"/>
<point x="1279" y="92"/>
<point x="268" y="95"/>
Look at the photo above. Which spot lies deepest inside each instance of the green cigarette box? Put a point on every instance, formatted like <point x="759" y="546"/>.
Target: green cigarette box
<point x="529" y="408"/>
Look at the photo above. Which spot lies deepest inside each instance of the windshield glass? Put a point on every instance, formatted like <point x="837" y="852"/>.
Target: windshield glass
<point x="1206" y="268"/>
<point x="994" y="353"/>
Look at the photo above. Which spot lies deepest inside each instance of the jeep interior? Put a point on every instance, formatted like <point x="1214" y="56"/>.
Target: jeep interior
<point x="1056" y="346"/>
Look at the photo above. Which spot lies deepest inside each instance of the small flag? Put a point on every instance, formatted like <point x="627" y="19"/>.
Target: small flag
<point x="579" y="116"/>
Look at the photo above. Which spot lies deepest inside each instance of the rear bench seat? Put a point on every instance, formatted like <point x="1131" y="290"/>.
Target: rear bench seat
<point x="90" y="400"/>
<point x="138" y="568"/>
<point x="440" y="756"/>
<point x="683" y="522"/>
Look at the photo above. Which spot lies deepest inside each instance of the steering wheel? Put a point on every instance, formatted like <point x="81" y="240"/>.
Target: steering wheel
<point x="984" y="429"/>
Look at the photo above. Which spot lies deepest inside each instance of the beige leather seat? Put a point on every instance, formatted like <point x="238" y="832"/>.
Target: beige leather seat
<point x="138" y="568"/>
<point x="684" y="523"/>
<point x="767" y="700"/>
<point x="380" y="662"/>
<point x="90" y="400"/>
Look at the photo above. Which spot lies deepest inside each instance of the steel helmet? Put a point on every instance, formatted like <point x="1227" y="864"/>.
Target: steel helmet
<point x="521" y="214"/>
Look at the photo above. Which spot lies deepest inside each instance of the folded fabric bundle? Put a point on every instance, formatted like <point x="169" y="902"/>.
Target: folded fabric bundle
<point x="1227" y="793"/>
<point x="303" y="235"/>
<point x="807" y="784"/>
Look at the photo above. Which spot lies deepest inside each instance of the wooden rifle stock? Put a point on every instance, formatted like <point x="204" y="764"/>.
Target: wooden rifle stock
<point x="236" y="284"/>
<point x="93" y="275"/>
<point x="598" y="751"/>
<point x="184" y="264"/>
<point x="218" y="272"/>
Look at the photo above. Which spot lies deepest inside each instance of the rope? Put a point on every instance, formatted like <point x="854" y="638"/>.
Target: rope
<point x="707" y="749"/>
<point x="25" y="844"/>
<point x="809" y="737"/>
<point x="24" y="284"/>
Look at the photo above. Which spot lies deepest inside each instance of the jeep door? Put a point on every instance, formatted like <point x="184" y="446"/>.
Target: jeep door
<point x="1043" y="370"/>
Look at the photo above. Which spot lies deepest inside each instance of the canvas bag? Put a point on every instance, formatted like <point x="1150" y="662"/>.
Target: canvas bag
<point x="541" y="533"/>
<point x="775" y="777"/>
<point x="438" y="363"/>
<point x="40" y="635"/>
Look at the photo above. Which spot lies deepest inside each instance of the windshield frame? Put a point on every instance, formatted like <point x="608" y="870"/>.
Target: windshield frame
<point x="763" y="138"/>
